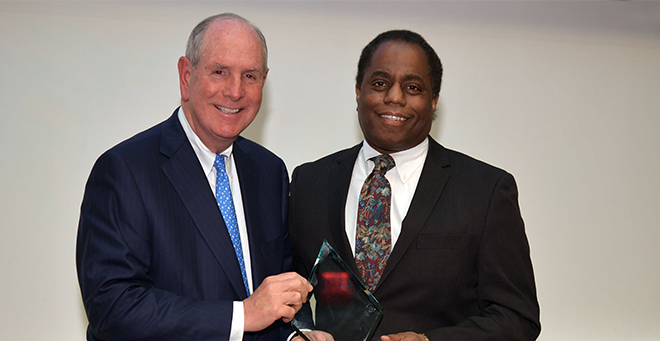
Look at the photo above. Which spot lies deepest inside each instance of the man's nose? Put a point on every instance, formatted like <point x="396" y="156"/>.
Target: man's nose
<point x="234" y="88"/>
<point x="395" y="95"/>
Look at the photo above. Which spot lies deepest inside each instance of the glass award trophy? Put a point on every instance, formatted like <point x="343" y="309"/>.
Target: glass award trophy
<point x="344" y="306"/>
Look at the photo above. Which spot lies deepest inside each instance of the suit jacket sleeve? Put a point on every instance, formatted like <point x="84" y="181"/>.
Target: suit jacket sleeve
<point x="506" y="289"/>
<point x="113" y="261"/>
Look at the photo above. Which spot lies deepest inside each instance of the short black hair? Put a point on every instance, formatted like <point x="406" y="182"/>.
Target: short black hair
<point x="435" y="66"/>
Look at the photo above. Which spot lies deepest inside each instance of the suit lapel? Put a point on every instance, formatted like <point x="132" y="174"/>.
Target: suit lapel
<point x="185" y="173"/>
<point x="339" y="183"/>
<point x="248" y="177"/>
<point x="431" y="183"/>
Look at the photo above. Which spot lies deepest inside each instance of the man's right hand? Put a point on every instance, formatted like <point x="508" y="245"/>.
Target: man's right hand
<point x="278" y="297"/>
<point x="315" y="335"/>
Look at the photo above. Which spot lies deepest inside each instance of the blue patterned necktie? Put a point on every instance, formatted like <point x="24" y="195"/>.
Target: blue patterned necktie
<point x="373" y="237"/>
<point x="226" y="204"/>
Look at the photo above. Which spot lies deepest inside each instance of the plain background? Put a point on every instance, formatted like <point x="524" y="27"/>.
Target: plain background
<point x="564" y="95"/>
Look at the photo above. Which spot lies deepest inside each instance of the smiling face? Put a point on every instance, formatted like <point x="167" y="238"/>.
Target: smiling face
<point x="222" y="94"/>
<point x="395" y="100"/>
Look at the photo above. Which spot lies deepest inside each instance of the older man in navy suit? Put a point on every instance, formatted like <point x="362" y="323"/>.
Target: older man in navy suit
<point x="183" y="227"/>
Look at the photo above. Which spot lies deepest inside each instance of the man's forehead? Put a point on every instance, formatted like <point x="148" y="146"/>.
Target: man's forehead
<point x="231" y="32"/>
<point x="226" y="24"/>
<point x="387" y="61"/>
<point x="224" y="36"/>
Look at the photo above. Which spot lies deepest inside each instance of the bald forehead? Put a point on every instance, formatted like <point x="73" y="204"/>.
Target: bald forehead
<point x="231" y="30"/>
<point x="230" y="24"/>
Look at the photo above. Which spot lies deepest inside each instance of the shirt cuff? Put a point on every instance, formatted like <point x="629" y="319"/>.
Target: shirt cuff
<point x="237" y="322"/>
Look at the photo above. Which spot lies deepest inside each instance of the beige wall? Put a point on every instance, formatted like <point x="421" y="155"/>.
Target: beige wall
<point x="564" y="95"/>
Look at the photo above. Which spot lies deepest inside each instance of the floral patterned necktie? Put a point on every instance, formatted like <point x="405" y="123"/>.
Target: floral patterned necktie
<point x="373" y="238"/>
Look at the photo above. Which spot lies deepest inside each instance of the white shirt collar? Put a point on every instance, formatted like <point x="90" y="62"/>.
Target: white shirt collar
<point x="407" y="161"/>
<point x="204" y="154"/>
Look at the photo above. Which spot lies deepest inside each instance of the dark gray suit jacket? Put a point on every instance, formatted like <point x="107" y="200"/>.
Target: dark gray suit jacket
<point x="460" y="269"/>
<point x="154" y="258"/>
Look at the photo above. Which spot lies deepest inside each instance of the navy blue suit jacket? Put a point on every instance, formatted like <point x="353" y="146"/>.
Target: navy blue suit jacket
<point x="154" y="258"/>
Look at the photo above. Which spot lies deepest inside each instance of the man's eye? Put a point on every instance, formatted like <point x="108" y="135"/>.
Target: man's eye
<point x="379" y="84"/>
<point x="413" y="88"/>
<point x="219" y="72"/>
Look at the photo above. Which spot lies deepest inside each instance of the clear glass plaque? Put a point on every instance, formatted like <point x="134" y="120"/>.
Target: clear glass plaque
<point x="344" y="306"/>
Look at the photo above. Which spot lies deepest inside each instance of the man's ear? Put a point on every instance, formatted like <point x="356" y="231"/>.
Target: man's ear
<point x="357" y="94"/>
<point x="185" y="70"/>
<point x="435" y="101"/>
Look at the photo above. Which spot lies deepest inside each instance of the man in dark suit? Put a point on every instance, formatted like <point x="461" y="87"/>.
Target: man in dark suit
<point x="435" y="234"/>
<point x="183" y="227"/>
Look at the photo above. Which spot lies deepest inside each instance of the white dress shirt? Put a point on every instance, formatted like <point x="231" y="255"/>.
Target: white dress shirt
<point x="206" y="159"/>
<point x="403" y="180"/>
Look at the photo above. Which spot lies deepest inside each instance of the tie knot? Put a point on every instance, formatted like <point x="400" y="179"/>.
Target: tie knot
<point x="383" y="163"/>
<point x="219" y="162"/>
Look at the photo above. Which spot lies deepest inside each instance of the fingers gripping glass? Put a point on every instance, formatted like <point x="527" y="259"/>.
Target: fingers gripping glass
<point x="344" y="306"/>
